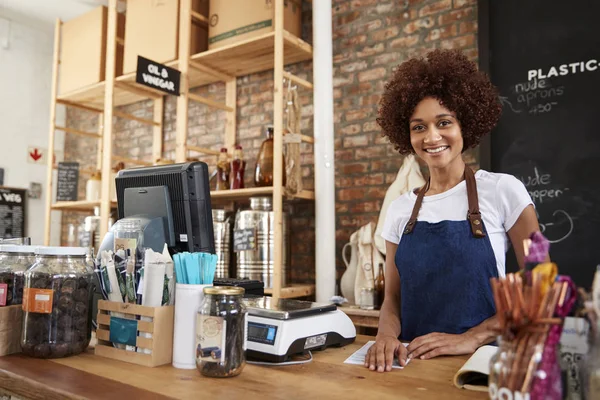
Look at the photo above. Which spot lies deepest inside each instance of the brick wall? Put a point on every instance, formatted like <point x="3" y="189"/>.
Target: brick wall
<point x="370" y="37"/>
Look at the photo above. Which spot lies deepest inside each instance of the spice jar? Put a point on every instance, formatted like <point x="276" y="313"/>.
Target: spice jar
<point x="14" y="261"/>
<point x="221" y="332"/>
<point x="57" y="303"/>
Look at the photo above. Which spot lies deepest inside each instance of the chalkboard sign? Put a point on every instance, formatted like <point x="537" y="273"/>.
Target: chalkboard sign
<point x="12" y="212"/>
<point x="157" y="76"/>
<point x="544" y="58"/>
<point x="244" y="239"/>
<point x="68" y="180"/>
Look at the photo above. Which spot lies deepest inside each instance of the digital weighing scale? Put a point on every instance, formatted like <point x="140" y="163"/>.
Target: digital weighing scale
<point x="279" y="330"/>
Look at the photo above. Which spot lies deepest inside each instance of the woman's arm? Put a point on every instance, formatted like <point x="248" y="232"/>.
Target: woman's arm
<point x="389" y="315"/>
<point x="521" y="230"/>
<point x="380" y="356"/>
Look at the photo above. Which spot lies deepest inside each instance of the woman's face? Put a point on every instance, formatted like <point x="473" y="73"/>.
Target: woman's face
<point x="435" y="133"/>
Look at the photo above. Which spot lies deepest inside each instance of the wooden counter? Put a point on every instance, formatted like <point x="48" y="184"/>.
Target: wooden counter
<point x="90" y="376"/>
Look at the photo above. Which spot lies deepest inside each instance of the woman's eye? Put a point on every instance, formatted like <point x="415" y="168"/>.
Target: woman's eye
<point x="444" y="123"/>
<point x="418" y="128"/>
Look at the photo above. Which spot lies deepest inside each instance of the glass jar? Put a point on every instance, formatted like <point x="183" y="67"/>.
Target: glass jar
<point x="57" y="303"/>
<point x="14" y="261"/>
<point x="221" y="332"/>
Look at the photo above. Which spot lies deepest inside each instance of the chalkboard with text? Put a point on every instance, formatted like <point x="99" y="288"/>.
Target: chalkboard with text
<point x="12" y="212"/>
<point x="545" y="59"/>
<point x="67" y="181"/>
<point x="244" y="239"/>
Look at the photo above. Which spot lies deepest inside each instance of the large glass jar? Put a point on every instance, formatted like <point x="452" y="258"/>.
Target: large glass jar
<point x="221" y="332"/>
<point x="14" y="261"/>
<point x="57" y="319"/>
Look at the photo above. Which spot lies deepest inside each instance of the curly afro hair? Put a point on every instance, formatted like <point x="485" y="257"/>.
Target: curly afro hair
<point x="450" y="77"/>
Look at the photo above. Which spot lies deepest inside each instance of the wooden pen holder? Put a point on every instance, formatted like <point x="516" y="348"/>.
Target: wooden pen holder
<point x="11" y="320"/>
<point x="150" y="329"/>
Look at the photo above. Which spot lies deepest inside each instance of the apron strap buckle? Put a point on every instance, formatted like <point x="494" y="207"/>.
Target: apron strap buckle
<point x="476" y="224"/>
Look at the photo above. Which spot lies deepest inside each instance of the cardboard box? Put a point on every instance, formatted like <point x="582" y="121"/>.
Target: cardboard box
<point x="152" y="31"/>
<point x="232" y="21"/>
<point x="10" y="329"/>
<point x="83" y="50"/>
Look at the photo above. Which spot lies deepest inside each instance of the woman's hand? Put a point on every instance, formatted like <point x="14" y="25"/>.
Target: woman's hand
<point x="381" y="354"/>
<point x="442" y="344"/>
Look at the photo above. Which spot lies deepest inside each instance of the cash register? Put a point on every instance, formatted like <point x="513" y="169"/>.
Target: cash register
<point x="279" y="330"/>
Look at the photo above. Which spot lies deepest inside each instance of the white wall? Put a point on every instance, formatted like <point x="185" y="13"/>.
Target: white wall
<point x="26" y="51"/>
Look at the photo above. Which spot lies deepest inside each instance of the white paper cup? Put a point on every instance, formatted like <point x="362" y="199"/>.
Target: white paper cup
<point x="187" y="301"/>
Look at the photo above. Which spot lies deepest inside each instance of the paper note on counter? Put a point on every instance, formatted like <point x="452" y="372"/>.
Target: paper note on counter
<point x="358" y="358"/>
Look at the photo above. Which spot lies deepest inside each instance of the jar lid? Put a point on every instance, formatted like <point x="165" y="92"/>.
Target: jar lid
<point x="61" y="251"/>
<point x="219" y="215"/>
<point x="262" y="203"/>
<point x="13" y="248"/>
<point x="224" y="290"/>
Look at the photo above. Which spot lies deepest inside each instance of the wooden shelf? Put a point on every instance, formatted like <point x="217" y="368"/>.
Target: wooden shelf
<point x="257" y="191"/>
<point x="294" y="291"/>
<point x="364" y="318"/>
<point x="79" y="205"/>
<point x="238" y="59"/>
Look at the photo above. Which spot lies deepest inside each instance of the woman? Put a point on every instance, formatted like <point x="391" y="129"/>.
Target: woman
<point x="446" y="240"/>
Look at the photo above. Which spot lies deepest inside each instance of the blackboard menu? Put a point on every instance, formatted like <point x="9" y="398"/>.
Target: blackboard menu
<point x="67" y="181"/>
<point x="12" y="212"/>
<point x="544" y="57"/>
<point x="244" y="239"/>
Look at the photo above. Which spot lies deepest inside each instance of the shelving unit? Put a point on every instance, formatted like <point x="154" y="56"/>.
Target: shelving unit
<point x="272" y="50"/>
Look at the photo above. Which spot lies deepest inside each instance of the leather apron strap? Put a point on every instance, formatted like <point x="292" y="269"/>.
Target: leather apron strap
<point x="473" y="215"/>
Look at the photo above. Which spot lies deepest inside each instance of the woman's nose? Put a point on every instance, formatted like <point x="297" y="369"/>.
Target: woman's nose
<point x="432" y="136"/>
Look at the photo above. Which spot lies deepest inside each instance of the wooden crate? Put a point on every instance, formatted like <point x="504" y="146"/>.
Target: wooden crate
<point x="161" y="328"/>
<point x="11" y="318"/>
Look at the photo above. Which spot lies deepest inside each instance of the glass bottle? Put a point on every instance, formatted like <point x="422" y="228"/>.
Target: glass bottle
<point x="380" y="286"/>
<point x="221" y="332"/>
<point x="57" y="303"/>
<point x="238" y="167"/>
<point x="222" y="171"/>
<point x="263" y="173"/>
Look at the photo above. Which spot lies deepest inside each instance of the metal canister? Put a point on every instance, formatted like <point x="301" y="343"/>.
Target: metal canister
<point x="259" y="263"/>
<point x="222" y="233"/>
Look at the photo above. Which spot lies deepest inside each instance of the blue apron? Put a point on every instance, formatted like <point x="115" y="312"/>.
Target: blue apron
<point x="445" y="270"/>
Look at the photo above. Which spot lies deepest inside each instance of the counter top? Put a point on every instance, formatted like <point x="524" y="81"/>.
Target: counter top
<point x="90" y="376"/>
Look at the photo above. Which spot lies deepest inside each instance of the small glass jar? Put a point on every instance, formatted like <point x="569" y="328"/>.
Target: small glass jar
<point x="367" y="298"/>
<point x="14" y="261"/>
<point x="221" y="332"/>
<point x="57" y="303"/>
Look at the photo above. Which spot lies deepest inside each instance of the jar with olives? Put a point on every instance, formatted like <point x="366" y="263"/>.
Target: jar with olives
<point x="14" y="261"/>
<point x="57" y="303"/>
<point x="221" y="332"/>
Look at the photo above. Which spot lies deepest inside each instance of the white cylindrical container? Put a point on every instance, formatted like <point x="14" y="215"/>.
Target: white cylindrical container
<point x="93" y="187"/>
<point x="187" y="301"/>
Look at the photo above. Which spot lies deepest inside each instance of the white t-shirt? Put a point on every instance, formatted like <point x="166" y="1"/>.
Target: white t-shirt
<point x="502" y="199"/>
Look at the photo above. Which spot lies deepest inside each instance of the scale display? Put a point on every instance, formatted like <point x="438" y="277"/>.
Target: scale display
<point x="261" y="333"/>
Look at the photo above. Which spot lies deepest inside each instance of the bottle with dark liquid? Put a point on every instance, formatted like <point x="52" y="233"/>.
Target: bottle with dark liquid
<point x="238" y="166"/>
<point x="380" y="286"/>
<point x="223" y="169"/>
<point x="263" y="173"/>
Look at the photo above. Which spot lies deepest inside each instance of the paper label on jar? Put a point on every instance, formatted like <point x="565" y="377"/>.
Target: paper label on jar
<point x="38" y="300"/>
<point x="210" y="339"/>
<point x="3" y="293"/>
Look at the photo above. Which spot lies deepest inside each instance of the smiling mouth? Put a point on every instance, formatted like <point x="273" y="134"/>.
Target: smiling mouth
<point x="436" y="150"/>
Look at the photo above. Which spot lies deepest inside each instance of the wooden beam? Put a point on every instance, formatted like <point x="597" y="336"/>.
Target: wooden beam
<point x="137" y="89"/>
<point x="76" y="132"/>
<point x="307" y="139"/>
<point x="278" y="151"/>
<point x="131" y="161"/>
<point x="109" y="91"/>
<point x="185" y="31"/>
<point x="299" y="81"/>
<point x="121" y="114"/>
<point x="80" y="106"/>
<point x="100" y="142"/>
<point x="211" y="71"/>
<point x="231" y="102"/>
<point x="50" y="158"/>
<point x="203" y="150"/>
<point x="209" y="102"/>
<point x="157" y="130"/>
<point x="199" y="17"/>
<point x="120" y="41"/>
